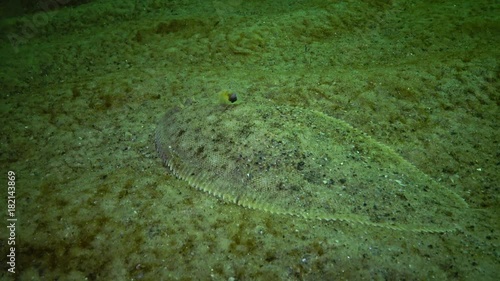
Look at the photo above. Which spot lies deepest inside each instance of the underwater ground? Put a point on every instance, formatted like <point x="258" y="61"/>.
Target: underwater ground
<point x="83" y="85"/>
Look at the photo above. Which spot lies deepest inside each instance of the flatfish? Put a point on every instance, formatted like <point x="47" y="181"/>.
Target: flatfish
<point x="294" y="161"/>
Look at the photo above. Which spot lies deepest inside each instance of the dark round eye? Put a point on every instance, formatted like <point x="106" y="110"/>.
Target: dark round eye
<point x="233" y="97"/>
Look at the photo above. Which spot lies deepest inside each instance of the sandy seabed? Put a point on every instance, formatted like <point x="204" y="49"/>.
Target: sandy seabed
<point x="82" y="87"/>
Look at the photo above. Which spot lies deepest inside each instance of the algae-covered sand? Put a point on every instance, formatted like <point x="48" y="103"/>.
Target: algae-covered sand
<point x="84" y="86"/>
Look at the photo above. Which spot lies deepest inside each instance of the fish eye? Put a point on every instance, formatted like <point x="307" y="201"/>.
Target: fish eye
<point x="232" y="98"/>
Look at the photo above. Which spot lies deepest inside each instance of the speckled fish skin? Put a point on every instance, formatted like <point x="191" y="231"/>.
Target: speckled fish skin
<point x="299" y="162"/>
